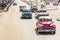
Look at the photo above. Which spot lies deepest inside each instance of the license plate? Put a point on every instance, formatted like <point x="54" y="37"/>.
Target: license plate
<point x="47" y="30"/>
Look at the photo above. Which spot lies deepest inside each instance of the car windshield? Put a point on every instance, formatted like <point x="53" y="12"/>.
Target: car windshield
<point x="45" y="20"/>
<point x="26" y="10"/>
<point x="42" y="11"/>
<point x="22" y="7"/>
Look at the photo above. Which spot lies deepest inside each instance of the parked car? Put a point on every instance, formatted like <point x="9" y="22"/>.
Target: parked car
<point x="41" y="13"/>
<point x="55" y="3"/>
<point x="26" y="16"/>
<point x="14" y="3"/>
<point x="34" y="9"/>
<point x="22" y="7"/>
<point x="45" y="25"/>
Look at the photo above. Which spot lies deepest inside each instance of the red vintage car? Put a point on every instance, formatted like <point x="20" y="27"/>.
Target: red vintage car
<point x="45" y="24"/>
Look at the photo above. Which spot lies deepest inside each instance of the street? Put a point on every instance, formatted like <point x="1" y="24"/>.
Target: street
<point x="12" y="27"/>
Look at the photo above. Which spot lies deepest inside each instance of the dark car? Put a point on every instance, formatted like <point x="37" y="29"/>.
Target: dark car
<point x="47" y="2"/>
<point x="34" y="9"/>
<point x="14" y="3"/>
<point x="22" y="7"/>
<point x="26" y="16"/>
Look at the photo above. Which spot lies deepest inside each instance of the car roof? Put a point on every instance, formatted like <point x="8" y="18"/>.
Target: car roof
<point x="43" y="9"/>
<point x="46" y="17"/>
<point x="43" y="13"/>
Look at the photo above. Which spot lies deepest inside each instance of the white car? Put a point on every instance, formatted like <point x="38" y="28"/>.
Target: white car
<point x="42" y="13"/>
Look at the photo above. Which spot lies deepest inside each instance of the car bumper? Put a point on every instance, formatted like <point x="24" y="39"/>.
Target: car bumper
<point x="46" y="30"/>
<point x="21" y="9"/>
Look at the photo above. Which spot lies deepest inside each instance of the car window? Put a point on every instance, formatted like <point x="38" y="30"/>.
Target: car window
<point x="42" y="11"/>
<point x="26" y="10"/>
<point x="45" y="20"/>
<point x="22" y="7"/>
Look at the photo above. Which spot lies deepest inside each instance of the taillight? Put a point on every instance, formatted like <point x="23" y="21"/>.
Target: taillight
<point x="52" y="24"/>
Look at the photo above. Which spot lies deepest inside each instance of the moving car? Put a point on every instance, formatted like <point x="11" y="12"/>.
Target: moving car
<point x="25" y="10"/>
<point x="55" y="3"/>
<point x="14" y="3"/>
<point x="26" y="16"/>
<point x="22" y="7"/>
<point x="41" y="13"/>
<point x="45" y="25"/>
<point x="34" y="9"/>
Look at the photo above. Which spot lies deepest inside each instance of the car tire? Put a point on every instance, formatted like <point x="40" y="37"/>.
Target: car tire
<point x="53" y="32"/>
<point x="36" y="28"/>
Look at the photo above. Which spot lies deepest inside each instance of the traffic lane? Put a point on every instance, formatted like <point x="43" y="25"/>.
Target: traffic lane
<point x="29" y="34"/>
<point x="20" y="3"/>
<point x="9" y="24"/>
<point x="29" y="31"/>
<point x="15" y="27"/>
<point x="28" y="27"/>
<point x="54" y="14"/>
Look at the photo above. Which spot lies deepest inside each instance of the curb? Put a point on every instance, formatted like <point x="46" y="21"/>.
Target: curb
<point x="7" y="7"/>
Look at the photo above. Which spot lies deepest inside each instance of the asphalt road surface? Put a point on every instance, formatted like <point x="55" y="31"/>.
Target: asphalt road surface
<point x="14" y="28"/>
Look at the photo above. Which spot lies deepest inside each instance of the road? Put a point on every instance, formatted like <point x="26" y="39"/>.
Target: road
<point x="14" y="28"/>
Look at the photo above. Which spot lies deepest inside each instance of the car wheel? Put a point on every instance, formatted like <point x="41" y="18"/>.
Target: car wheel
<point x="36" y="28"/>
<point x="53" y="32"/>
